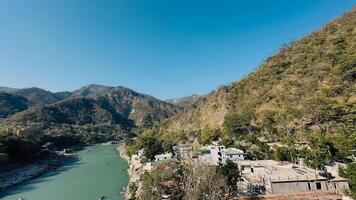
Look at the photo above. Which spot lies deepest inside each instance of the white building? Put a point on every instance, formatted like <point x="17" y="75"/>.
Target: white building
<point x="233" y="154"/>
<point x="214" y="155"/>
<point x="211" y="155"/>
<point x="163" y="157"/>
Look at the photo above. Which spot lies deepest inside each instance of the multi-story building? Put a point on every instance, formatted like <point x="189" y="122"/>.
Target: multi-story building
<point x="214" y="155"/>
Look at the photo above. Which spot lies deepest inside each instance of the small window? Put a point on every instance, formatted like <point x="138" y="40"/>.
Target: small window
<point x="252" y="169"/>
<point x="309" y="186"/>
<point x="318" y="186"/>
<point x="335" y="185"/>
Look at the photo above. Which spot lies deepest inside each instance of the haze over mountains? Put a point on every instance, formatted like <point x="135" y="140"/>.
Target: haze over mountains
<point x="184" y="102"/>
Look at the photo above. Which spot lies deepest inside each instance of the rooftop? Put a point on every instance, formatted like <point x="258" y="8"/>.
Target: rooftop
<point x="276" y="171"/>
<point x="233" y="151"/>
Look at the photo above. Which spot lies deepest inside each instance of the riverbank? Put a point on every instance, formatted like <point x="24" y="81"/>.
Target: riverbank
<point x="121" y="150"/>
<point x="25" y="172"/>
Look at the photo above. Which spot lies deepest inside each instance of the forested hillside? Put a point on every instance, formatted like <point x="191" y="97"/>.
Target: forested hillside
<point x="37" y="96"/>
<point x="10" y="104"/>
<point x="91" y="112"/>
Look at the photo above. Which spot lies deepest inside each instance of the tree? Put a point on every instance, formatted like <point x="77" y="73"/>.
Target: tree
<point x="230" y="170"/>
<point x="164" y="180"/>
<point x="202" y="182"/>
<point x="350" y="174"/>
<point x="236" y="124"/>
<point x="151" y="147"/>
<point x="132" y="191"/>
<point x="207" y="135"/>
<point x="131" y="147"/>
<point x="150" y="143"/>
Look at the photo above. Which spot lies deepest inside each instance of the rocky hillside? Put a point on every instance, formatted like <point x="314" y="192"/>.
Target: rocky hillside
<point x="91" y="91"/>
<point x="206" y="111"/>
<point x="112" y="108"/>
<point x="307" y="86"/>
<point x="184" y="102"/>
<point x="10" y="104"/>
<point x="78" y="111"/>
<point x="142" y="109"/>
<point x="145" y="110"/>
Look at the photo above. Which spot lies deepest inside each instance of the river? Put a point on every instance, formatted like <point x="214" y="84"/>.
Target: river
<point x="99" y="170"/>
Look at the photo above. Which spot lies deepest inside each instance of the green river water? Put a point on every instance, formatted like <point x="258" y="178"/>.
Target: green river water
<point x="98" y="171"/>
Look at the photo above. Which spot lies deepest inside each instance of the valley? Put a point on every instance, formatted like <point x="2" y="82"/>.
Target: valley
<point x="286" y="128"/>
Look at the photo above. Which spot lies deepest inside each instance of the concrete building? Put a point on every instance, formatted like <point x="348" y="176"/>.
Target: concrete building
<point x="233" y="154"/>
<point x="163" y="157"/>
<point x="216" y="154"/>
<point x="335" y="181"/>
<point x="211" y="155"/>
<point x="273" y="177"/>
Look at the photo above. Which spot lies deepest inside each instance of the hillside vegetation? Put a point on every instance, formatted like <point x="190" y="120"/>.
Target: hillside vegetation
<point x="92" y="112"/>
<point x="10" y="104"/>
<point x="307" y="87"/>
<point x="299" y="103"/>
<point x="37" y="96"/>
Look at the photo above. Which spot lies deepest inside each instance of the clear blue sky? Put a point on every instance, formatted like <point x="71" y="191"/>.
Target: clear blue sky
<point x="165" y="48"/>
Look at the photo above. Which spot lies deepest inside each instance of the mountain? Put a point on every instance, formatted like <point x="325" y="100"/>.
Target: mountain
<point x="145" y="110"/>
<point x="7" y="89"/>
<point x="91" y="91"/>
<point x="207" y="110"/>
<point x="78" y="111"/>
<point x="101" y="108"/>
<point x="37" y="96"/>
<point x="183" y="102"/>
<point x="142" y="109"/>
<point x="62" y="95"/>
<point x="10" y="104"/>
<point x="308" y="85"/>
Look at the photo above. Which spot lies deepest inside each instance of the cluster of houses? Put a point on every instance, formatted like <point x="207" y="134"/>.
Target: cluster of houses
<point x="258" y="177"/>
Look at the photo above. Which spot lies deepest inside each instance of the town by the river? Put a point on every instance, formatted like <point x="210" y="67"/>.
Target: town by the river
<point x="99" y="170"/>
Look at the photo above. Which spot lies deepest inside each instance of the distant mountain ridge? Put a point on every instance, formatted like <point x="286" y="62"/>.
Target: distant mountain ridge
<point x="96" y="106"/>
<point x="7" y="89"/>
<point x="184" y="102"/>
<point x="37" y="96"/>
